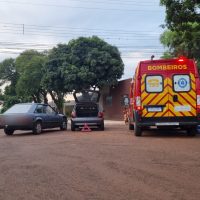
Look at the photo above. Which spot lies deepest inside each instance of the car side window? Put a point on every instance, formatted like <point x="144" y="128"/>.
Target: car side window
<point x="49" y="110"/>
<point x="39" y="109"/>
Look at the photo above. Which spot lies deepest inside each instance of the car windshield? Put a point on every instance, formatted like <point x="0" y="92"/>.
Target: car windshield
<point x="19" y="108"/>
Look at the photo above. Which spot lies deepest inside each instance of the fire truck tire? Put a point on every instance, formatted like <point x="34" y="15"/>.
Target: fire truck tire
<point x="131" y="126"/>
<point x="137" y="130"/>
<point x="191" y="132"/>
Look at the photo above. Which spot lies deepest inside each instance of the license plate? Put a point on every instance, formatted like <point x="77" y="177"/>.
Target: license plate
<point x="185" y="108"/>
<point x="167" y="124"/>
<point x="154" y="109"/>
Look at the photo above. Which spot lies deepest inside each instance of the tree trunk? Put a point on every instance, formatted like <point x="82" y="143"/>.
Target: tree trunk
<point x="58" y="101"/>
<point x="44" y="95"/>
<point x="34" y="99"/>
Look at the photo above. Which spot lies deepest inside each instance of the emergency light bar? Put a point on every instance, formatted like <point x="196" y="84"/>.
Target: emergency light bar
<point x="182" y="59"/>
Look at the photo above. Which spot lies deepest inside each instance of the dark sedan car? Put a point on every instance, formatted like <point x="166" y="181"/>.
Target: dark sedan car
<point x="87" y="110"/>
<point x="31" y="116"/>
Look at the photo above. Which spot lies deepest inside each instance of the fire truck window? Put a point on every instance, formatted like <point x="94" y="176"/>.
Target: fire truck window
<point x="181" y="83"/>
<point x="154" y="84"/>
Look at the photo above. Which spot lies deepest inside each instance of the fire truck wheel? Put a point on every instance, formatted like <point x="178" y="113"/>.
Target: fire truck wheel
<point x="131" y="126"/>
<point x="191" y="132"/>
<point x="137" y="130"/>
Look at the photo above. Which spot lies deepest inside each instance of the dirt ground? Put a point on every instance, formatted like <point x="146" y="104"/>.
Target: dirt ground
<point x="100" y="165"/>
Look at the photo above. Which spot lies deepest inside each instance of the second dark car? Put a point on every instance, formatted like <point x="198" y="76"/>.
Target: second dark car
<point x="87" y="110"/>
<point x="31" y="116"/>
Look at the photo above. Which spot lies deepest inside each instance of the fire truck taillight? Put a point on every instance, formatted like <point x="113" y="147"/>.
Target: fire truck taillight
<point x="138" y="103"/>
<point x="198" y="103"/>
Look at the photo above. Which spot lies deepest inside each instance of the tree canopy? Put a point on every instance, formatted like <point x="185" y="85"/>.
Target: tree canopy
<point x="182" y="36"/>
<point x="54" y="74"/>
<point x="81" y="64"/>
<point x="8" y="71"/>
<point x="98" y="62"/>
<point x="30" y="66"/>
<point x="180" y="14"/>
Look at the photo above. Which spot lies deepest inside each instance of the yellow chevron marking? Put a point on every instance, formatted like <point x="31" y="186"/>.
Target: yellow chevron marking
<point x="166" y="98"/>
<point x="192" y="77"/>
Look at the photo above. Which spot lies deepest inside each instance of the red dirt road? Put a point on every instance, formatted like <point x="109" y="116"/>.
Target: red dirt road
<point x="109" y="165"/>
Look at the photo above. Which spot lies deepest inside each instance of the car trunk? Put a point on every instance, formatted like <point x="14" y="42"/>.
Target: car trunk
<point x="87" y="110"/>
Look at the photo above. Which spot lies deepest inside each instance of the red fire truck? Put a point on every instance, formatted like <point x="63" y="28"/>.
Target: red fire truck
<point x="165" y="94"/>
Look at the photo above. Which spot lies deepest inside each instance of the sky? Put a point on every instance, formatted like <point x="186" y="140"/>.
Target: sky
<point x="134" y="26"/>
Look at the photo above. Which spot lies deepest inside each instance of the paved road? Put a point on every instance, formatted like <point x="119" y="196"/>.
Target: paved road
<point x="109" y="165"/>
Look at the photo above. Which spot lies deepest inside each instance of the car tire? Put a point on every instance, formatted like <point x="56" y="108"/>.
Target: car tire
<point x="8" y="131"/>
<point x="63" y="126"/>
<point x="137" y="130"/>
<point x="72" y="126"/>
<point x="37" y="129"/>
<point x="101" y="127"/>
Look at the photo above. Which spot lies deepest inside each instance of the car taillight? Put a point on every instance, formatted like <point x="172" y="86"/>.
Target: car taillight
<point x="100" y="114"/>
<point x="138" y="103"/>
<point x="73" y="115"/>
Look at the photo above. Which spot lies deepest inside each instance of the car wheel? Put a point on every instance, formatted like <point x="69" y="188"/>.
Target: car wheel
<point x="37" y="129"/>
<point x="137" y="130"/>
<point x="63" y="126"/>
<point x="101" y="127"/>
<point x="8" y="131"/>
<point x="72" y="126"/>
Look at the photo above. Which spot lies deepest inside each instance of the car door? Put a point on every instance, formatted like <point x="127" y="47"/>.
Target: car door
<point x="52" y="117"/>
<point x="40" y="114"/>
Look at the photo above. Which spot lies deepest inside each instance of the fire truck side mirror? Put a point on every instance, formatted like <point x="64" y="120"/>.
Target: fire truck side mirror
<point x="126" y="101"/>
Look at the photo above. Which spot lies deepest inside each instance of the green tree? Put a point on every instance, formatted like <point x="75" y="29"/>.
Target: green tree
<point x="180" y="14"/>
<point x="30" y="66"/>
<point x="9" y="76"/>
<point x="183" y="34"/>
<point x="8" y="73"/>
<point x="81" y="64"/>
<point x="23" y="78"/>
<point x="54" y="74"/>
<point x="97" y="62"/>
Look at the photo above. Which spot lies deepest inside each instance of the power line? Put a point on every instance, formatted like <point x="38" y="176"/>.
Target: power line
<point x="25" y="31"/>
<point x="77" y="28"/>
<point x="75" y="32"/>
<point x="77" y="7"/>
<point x="123" y="56"/>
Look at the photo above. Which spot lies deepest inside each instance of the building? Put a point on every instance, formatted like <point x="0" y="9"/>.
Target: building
<point x="112" y="99"/>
